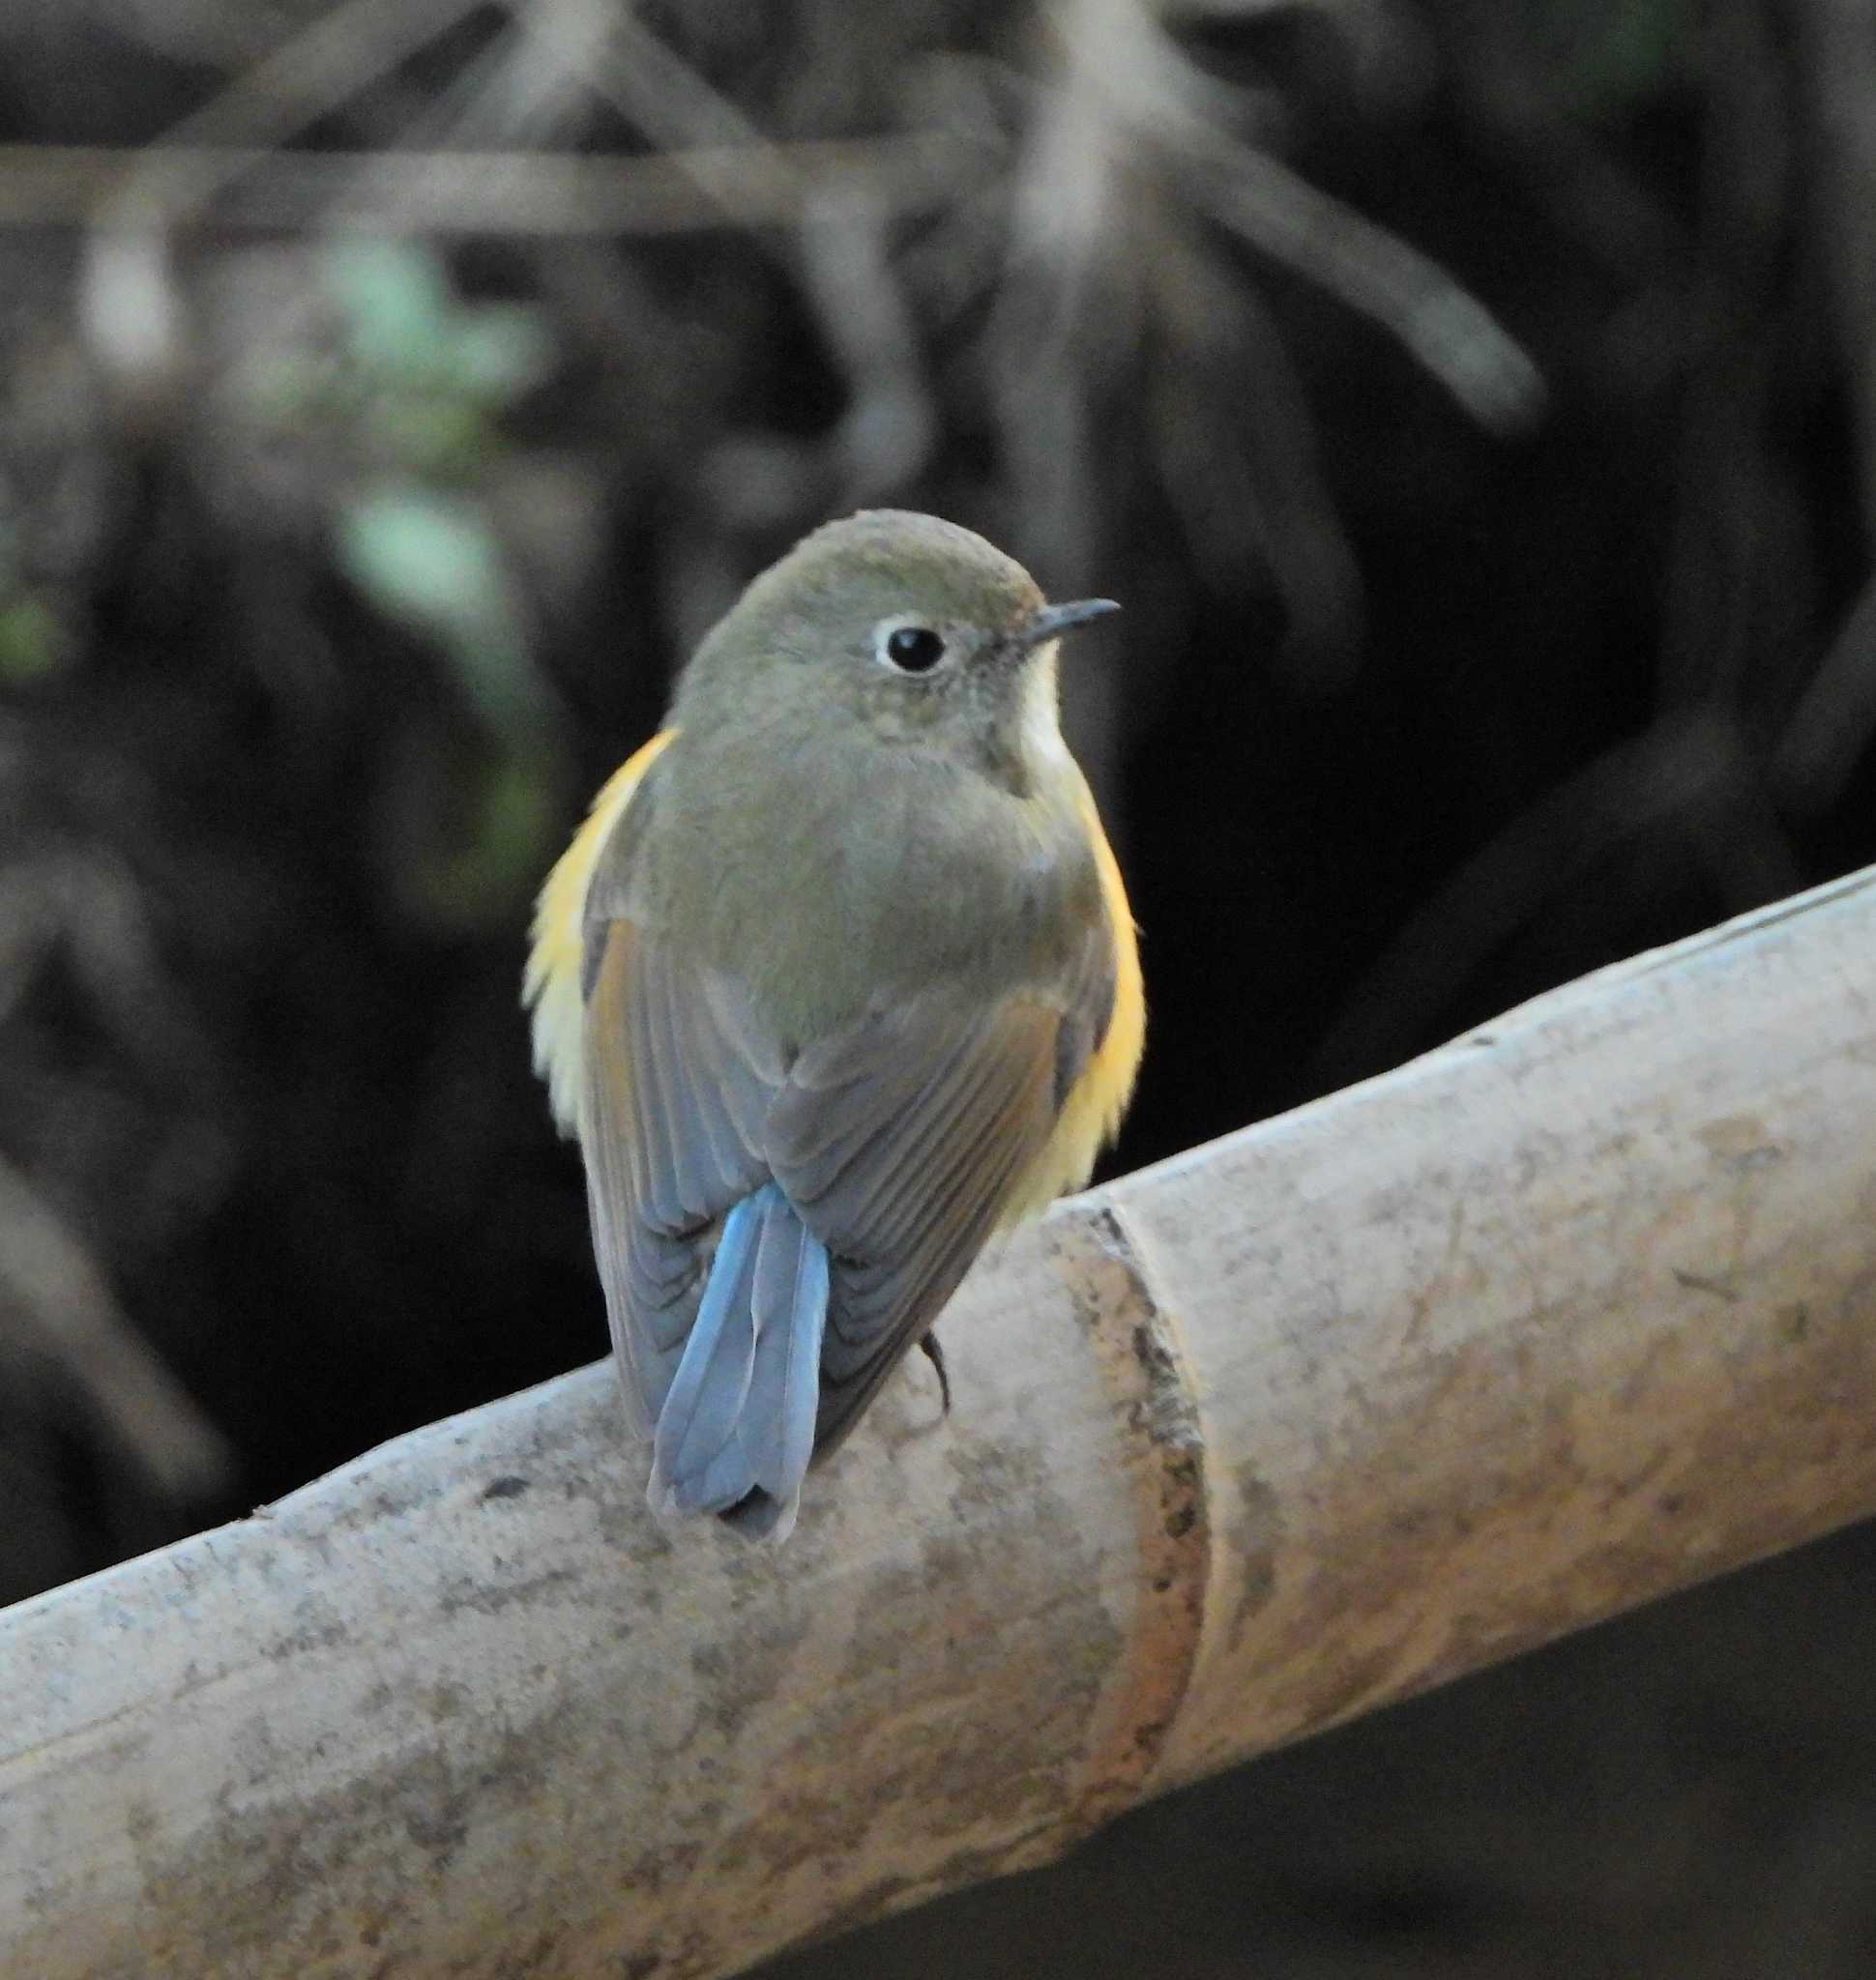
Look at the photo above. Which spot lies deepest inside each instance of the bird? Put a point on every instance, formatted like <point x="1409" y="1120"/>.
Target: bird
<point x="838" y="980"/>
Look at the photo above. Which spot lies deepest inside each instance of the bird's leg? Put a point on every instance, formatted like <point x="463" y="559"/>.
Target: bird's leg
<point x="935" y="1355"/>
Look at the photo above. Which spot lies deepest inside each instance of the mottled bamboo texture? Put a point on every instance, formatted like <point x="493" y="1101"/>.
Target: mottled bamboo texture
<point x="1576" y="1311"/>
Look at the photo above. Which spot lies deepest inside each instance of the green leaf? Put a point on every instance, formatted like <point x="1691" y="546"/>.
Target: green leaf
<point x="429" y="561"/>
<point x="481" y="881"/>
<point x="432" y="435"/>
<point x="499" y="352"/>
<point x="33" y="643"/>
<point x="397" y="303"/>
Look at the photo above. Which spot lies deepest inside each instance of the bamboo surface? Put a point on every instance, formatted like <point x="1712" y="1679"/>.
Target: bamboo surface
<point x="1576" y="1311"/>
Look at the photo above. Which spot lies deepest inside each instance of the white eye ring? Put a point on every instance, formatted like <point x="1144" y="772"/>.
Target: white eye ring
<point x="907" y="646"/>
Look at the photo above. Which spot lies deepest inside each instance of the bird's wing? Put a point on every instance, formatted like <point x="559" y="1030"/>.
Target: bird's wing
<point x="678" y="1090"/>
<point x="900" y="1140"/>
<point x="896" y="1142"/>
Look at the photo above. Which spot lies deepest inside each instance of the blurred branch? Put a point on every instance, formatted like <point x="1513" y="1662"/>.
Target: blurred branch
<point x="891" y="425"/>
<point x="485" y="193"/>
<point x="1680" y="769"/>
<point x="1595" y="191"/>
<point x="53" y="1296"/>
<point x="1836" y="45"/>
<point x="1447" y="329"/>
<point x="846" y="271"/>
<point x="1124" y="140"/>
<point x="1269" y="487"/>
<point x="532" y="83"/>
<point x="1832" y="724"/>
<point x="304" y="79"/>
<point x="1735" y="558"/>
<point x="129" y="299"/>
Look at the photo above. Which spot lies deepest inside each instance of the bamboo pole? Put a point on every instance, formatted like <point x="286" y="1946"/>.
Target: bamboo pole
<point x="1576" y="1311"/>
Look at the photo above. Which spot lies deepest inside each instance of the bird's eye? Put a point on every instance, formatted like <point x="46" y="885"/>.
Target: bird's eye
<point x="911" y="649"/>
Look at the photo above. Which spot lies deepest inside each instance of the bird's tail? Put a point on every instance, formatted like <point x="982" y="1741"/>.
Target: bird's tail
<point x="736" y="1428"/>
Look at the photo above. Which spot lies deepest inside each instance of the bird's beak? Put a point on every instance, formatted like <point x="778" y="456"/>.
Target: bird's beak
<point x="1052" y="619"/>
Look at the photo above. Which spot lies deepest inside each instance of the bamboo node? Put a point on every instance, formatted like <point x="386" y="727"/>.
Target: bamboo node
<point x="1146" y="1371"/>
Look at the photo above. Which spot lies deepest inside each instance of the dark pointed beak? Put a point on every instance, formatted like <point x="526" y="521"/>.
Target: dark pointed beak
<point x="1053" y="619"/>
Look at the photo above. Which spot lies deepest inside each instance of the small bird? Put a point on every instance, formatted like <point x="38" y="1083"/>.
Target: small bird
<point x="838" y="980"/>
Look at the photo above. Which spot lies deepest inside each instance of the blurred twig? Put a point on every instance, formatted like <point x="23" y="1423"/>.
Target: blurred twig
<point x="1448" y="331"/>
<point x="53" y="1294"/>
<point x="492" y="192"/>
<point x="1837" y="47"/>
<point x="1679" y="771"/>
<point x="1272" y="483"/>
<point x="300" y="81"/>
<point x="1832" y="724"/>
<point x="1836" y="41"/>
<point x="842" y="258"/>
<point x="891" y="423"/>
<point x="1729" y="563"/>
<point x="1127" y="84"/>
<point x="131" y="309"/>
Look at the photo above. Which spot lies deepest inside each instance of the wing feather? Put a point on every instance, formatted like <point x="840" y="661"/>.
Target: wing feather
<point x="874" y="1162"/>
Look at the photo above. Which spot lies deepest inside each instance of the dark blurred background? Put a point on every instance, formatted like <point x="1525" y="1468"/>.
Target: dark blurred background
<point x="1474" y="402"/>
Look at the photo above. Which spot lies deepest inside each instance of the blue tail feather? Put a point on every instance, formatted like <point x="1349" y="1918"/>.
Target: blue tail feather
<point x="737" y="1427"/>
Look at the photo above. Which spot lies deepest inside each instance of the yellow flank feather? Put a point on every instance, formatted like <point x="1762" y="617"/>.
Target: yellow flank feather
<point x="552" y="985"/>
<point x="1092" y="1113"/>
